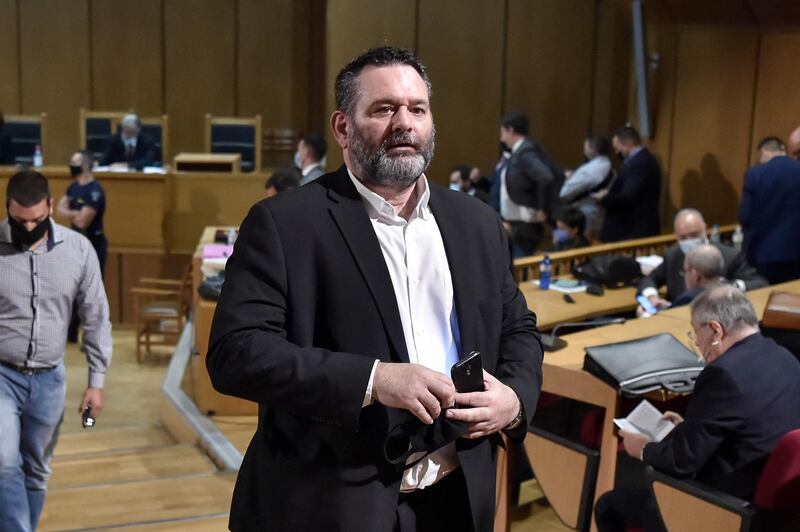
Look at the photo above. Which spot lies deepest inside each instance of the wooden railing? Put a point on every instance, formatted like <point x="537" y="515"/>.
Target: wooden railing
<point x="561" y="262"/>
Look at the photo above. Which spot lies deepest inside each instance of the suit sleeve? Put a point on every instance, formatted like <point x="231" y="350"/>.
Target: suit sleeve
<point x="520" y="357"/>
<point x="537" y="171"/>
<point x="739" y="268"/>
<point x="656" y="278"/>
<point x="249" y="354"/>
<point x="630" y="191"/>
<point x="148" y="155"/>
<point x="712" y="413"/>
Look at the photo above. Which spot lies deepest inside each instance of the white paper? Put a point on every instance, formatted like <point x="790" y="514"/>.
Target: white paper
<point x="646" y="419"/>
<point x="566" y="289"/>
<point x="648" y="263"/>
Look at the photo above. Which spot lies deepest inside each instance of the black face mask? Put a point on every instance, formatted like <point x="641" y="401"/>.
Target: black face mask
<point x="24" y="239"/>
<point x="74" y="170"/>
<point x="620" y="156"/>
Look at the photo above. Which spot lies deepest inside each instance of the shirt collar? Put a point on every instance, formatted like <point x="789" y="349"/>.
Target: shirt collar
<point x="381" y="210"/>
<point x="517" y="144"/>
<point x="306" y="169"/>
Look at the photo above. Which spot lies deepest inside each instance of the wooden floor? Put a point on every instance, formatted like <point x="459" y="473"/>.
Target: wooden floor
<point x="128" y="473"/>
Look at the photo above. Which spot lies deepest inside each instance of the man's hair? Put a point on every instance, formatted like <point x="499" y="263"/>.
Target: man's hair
<point x="27" y="187"/>
<point x="628" y="134"/>
<point x="316" y="143"/>
<point x="573" y="217"/>
<point x="516" y="122"/>
<point x="772" y="144"/>
<point x="87" y="159"/>
<point x="463" y="171"/>
<point x="725" y="304"/>
<point x="683" y="213"/>
<point x="599" y="144"/>
<point x="283" y="179"/>
<point x="131" y="120"/>
<point x="346" y="85"/>
<point x="707" y="260"/>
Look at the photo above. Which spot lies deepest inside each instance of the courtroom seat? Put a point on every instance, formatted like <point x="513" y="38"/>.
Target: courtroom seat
<point x="235" y="135"/>
<point x="161" y="308"/>
<point x="157" y="128"/>
<point x="26" y="131"/>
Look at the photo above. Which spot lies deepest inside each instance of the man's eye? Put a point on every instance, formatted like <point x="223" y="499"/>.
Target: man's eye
<point x="386" y="109"/>
<point x="419" y="111"/>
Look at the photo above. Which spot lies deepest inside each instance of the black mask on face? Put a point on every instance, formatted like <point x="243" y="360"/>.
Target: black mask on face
<point x="74" y="170"/>
<point x="620" y="156"/>
<point x="22" y="238"/>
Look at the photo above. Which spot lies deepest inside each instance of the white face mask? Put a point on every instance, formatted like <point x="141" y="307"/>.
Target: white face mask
<point x="690" y="244"/>
<point x="297" y="161"/>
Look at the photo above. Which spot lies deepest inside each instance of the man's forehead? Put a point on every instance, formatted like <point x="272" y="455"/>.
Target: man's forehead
<point x="376" y="81"/>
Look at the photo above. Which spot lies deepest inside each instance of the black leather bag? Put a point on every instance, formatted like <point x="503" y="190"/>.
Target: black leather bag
<point x="640" y="366"/>
<point x="613" y="271"/>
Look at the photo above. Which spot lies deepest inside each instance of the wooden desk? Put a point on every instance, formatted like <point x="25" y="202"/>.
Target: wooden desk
<point x="551" y="309"/>
<point x="208" y="162"/>
<point x="564" y="376"/>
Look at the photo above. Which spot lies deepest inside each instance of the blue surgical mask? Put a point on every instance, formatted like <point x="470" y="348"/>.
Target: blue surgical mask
<point x="690" y="244"/>
<point x="560" y="235"/>
<point x="297" y="161"/>
<point x="455" y="186"/>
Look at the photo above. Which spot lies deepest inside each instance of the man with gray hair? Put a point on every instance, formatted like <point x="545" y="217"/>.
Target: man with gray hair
<point x="691" y="231"/>
<point x="130" y="146"/>
<point x="703" y="267"/>
<point x="745" y="399"/>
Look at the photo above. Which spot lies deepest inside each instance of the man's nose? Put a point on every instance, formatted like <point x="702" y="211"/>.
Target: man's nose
<point x="401" y="121"/>
<point x="29" y="226"/>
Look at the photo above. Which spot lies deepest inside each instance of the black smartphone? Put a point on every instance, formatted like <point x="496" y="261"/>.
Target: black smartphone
<point x="467" y="373"/>
<point x="86" y="418"/>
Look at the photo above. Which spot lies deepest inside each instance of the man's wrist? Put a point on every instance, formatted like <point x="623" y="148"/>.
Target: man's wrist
<point x="517" y="420"/>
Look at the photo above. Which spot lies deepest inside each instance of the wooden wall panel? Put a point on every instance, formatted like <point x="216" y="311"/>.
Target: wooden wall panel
<point x="54" y="51"/>
<point x="611" y="69"/>
<point x="465" y="63"/>
<point x="549" y="71"/>
<point x="272" y="62"/>
<point x="357" y="25"/>
<point x="777" y="109"/>
<point x="713" y="117"/>
<point x="9" y="58"/>
<point x="200" y="66"/>
<point x="127" y="55"/>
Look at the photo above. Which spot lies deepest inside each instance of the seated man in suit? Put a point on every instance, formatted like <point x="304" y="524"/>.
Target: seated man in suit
<point x="690" y="229"/>
<point x="130" y="146"/>
<point x="703" y="267"/>
<point x="309" y="155"/>
<point x="744" y="401"/>
<point x="632" y="202"/>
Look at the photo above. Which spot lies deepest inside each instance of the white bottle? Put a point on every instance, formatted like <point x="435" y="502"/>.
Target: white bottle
<point x="38" y="160"/>
<point x="738" y="238"/>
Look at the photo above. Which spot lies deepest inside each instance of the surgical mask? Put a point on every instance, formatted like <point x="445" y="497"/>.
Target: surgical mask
<point x="24" y="239"/>
<point x="74" y="170"/>
<point x="455" y="186"/>
<point x="296" y="160"/>
<point x="690" y="244"/>
<point x="560" y="235"/>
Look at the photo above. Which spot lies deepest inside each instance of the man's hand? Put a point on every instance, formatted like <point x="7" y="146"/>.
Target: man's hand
<point x="634" y="443"/>
<point x="94" y="397"/>
<point x="421" y="391"/>
<point x="488" y="411"/>
<point x="600" y="194"/>
<point x="673" y="417"/>
<point x="539" y="216"/>
<point x="659" y="302"/>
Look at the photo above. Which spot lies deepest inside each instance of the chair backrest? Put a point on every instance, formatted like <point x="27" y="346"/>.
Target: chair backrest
<point x="26" y="131"/>
<point x="779" y="485"/>
<point x="97" y="128"/>
<point x="157" y="128"/>
<point x="235" y="135"/>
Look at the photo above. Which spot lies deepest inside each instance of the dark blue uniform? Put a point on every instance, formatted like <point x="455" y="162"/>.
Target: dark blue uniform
<point x="91" y="195"/>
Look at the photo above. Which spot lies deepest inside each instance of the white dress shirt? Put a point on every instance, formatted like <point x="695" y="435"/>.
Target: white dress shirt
<point x="417" y="263"/>
<point x="510" y="211"/>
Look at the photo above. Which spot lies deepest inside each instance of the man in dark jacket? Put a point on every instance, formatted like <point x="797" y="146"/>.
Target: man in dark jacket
<point x="632" y="202"/>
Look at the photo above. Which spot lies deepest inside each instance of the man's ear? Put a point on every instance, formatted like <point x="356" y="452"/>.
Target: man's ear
<point x="339" y="127"/>
<point x="717" y="329"/>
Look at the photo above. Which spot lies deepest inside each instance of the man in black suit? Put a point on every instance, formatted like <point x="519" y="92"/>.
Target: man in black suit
<point x="632" y="202"/>
<point x="130" y="145"/>
<point x="690" y="230"/>
<point x="346" y="301"/>
<point x="745" y="399"/>
<point x="526" y="185"/>
<point x="770" y="216"/>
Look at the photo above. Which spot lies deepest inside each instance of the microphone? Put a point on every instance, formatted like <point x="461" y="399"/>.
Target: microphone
<point x="551" y="343"/>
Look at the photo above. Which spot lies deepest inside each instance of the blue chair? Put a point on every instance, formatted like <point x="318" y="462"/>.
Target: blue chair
<point x="235" y="135"/>
<point x="26" y="131"/>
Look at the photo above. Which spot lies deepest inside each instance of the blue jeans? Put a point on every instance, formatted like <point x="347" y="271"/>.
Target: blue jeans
<point x="31" y="410"/>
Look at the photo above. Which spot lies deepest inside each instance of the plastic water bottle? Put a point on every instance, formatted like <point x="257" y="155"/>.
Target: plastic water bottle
<point x="544" y="273"/>
<point x="38" y="160"/>
<point x="738" y="238"/>
<point x="714" y="234"/>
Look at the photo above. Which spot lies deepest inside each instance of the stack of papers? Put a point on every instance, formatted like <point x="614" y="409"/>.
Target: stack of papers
<point x="646" y="419"/>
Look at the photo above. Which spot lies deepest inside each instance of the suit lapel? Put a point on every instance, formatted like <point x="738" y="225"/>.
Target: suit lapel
<point x="456" y="247"/>
<point x="353" y="222"/>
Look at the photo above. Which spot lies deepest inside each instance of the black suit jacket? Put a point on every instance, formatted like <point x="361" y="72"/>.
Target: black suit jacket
<point x="632" y="203"/>
<point x="743" y="403"/>
<point x="769" y="212"/>
<point x="306" y="307"/>
<point x="143" y="155"/>
<point x="529" y="180"/>
<point x="670" y="272"/>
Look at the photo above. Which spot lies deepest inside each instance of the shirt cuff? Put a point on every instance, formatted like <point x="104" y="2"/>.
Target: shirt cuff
<point x="97" y="380"/>
<point x="738" y="283"/>
<point x="649" y="291"/>
<point x="368" y="393"/>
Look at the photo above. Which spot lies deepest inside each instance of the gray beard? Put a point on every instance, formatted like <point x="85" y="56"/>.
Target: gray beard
<point x="399" y="172"/>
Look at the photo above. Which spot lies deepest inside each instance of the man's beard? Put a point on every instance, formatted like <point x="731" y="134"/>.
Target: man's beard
<point x="399" y="171"/>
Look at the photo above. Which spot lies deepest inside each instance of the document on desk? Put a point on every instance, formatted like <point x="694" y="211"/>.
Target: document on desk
<point x="646" y="419"/>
